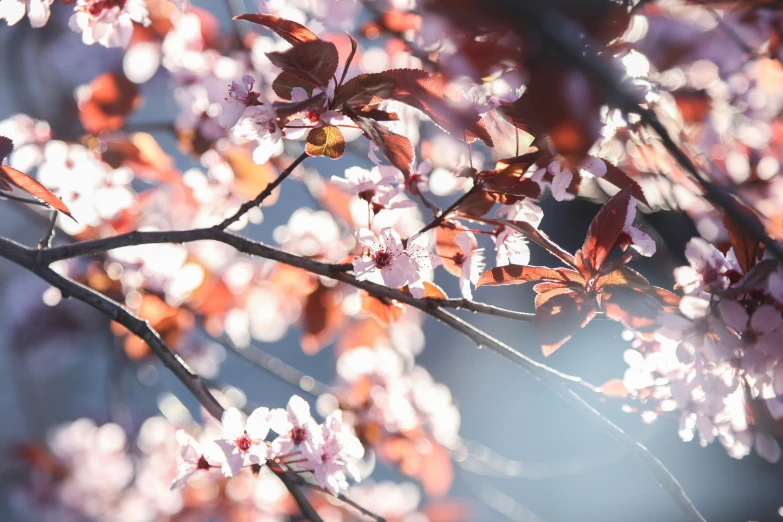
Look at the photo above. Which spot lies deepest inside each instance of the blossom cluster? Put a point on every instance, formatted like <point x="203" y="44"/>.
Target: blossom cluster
<point x="718" y="357"/>
<point x="327" y="450"/>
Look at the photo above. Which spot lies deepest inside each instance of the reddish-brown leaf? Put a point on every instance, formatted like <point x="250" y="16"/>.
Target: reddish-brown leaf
<point x="431" y="291"/>
<point x="620" y="179"/>
<point x="615" y="388"/>
<point x="249" y="177"/>
<point x="313" y="61"/>
<point x="288" y="30"/>
<point x="633" y="308"/>
<point x="32" y="187"/>
<point x="509" y="181"/>
<point x="664" y="296"/>
<point x="518" y="274"/>
<point x="623" y="276"/>
<point x="561" y="317"/>
<point x="112" y="96"/>
<point x="553" y="289"/>
<point x="564" y="104"/>
<point x="143" y="155"/>
<point x="397" y="149"/>
<point x="365" y="89"/>
<point x="446" y="246"/>
<point x="285" y="82"/>
<point x="606" y="229"/>
<point x="326" y="140"/>
<point x="476" y="204"/>
<point x="432" y="94"/>
<point x="385" y="312"/>
<point x="6" y="146"/>
<point x="322" y="318"/>
<point x="746" y="247"/>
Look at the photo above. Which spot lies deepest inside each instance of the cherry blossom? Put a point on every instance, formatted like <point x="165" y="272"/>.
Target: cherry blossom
<point x="471" y="260"/>
<point x="563" y="175"/>
<point x="259" y="123"/>
<point x="316" y="114"/>
<point x="639" y="241"/>
<point x="380" y="188"/>
<point x="386" y="262"/>
<point x="12" y="11"/>
<point x="332" y="452"/>
<point x="709" y="269"/>
<point x="511" y="246"/>
<point x="243" y="442"/>
<point x="191" y="459"/>
<point x="108" y="22"/>
<point x="294" y="425"/>
<point x="240" y="96"/>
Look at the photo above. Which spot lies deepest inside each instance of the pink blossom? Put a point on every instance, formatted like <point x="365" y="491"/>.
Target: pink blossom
<point x="511" y="246"/>
<point x="191" y="459"/>
<point x="108" y="22"/>
<point x="243" y="441"/>
<point x="240" y="97"/>
<point x="563" y="175"/>
<point x="317" y="114"/>
<point x="294" y="425"/>
<point x="37" y="11"/>
<point x="470" y="260"/>
<point x="259" y="123"/>
<point x="386" y="262"/>
<point x="640" y="241"/>
<point x="709" y="268"/>
<point x="332" y="452"/>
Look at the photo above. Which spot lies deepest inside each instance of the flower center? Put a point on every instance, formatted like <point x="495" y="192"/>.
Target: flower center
<point x="202" y="463"/>
<point x="298" y="435"/>
<point x="367" y="195"/>
<point x="382" y="258"/>
<point x="459" y="259"/>
<point x="244" y="443"/>
<point x="97" y="7"/>
<point x="313" y="115"/>
<point x="252" y="99"/>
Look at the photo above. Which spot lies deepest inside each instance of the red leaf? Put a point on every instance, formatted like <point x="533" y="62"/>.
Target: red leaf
<point x="476" y="204"/>
<point x="288" y="30"/>
<point x="397" y="149"/>
<point x="549" y="290"/>
<point x="6" y="146"/>
<point x="564" y="104"/>
<point x="32" y="187"/>
<point x="633" y="308"/>
<point x="432" y="94"/>
<point x="620" y="179"/>
<point x="446" y="247"/>
<point x="664" y="296"/>
<point x="518" y="274"/>
<point x="431" y="291"/>
<point x="509" y="181"/>
<point x="384" y="312"/>
<point x="326" y="140"/>
<point x="285" y="82"/>
<point x="112" y="97"/>
<point x="365" y="89"/>
<point x="560" y="317"/>
<point x="606" y="229"/>
<point x="313" y="61"/>
<point x="322" y="318"/>
<point x="746" y="247"/>
<point x="614" y="388"/>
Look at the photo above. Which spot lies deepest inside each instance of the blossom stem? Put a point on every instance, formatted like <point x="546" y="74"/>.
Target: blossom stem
<point x="245" y="208"/>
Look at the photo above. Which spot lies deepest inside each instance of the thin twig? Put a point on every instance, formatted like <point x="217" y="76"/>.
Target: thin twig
<point x="482" y="308"/>
<point x="28" y="201"/>
<point x="245" y="208"/>
<point x="438" y="220"/>
<point x="46" y="241"/>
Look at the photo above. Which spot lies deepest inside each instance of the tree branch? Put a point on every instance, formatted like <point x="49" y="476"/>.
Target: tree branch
<point x="245" y="208"/>
<point x="26" y="258"/>
<point x="562" y="384"/>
